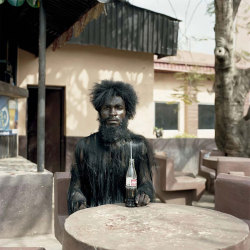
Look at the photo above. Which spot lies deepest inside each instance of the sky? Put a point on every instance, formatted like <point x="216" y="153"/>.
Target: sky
<point x="196" y="29"/>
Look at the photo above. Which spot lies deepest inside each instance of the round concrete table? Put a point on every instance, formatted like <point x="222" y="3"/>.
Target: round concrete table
<point x="212" y="161"/>
<point x="156" y="226"/>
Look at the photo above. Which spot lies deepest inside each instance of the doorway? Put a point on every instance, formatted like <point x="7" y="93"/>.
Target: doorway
<point x="54" y="128"/>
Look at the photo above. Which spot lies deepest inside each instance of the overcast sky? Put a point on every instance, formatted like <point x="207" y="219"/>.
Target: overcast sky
<point x="196" y="31"/>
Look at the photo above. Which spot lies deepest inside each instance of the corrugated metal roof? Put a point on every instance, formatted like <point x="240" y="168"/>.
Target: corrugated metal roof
<point x="127" y="27"/>
<point x="22" y="24"/>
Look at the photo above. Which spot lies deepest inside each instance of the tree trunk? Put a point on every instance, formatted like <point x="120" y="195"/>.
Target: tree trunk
<point x="232" y="129"/>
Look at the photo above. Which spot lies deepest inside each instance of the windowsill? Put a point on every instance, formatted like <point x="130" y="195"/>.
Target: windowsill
<point x="170" y="133"/>
<point x="206" y="133"/>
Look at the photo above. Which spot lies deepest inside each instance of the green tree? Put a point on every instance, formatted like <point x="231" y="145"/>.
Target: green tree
<point x="192" y="80"/>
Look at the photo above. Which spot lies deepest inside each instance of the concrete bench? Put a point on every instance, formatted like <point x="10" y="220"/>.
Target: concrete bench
<point x="206" y="172"/>
<point x="232" y="195"/>
<point x="175" y="186"/>
<point x="22" y="248"/>
<point x="234" y="164"/>
<point x="61" y="186"/>
<point x="25" y="199"/>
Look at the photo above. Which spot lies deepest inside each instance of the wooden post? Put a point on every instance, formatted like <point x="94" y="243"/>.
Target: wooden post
<point x="41" y="90"/>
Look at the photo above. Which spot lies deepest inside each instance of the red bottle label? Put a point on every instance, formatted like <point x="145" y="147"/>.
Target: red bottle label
<point x="130" y="182"/>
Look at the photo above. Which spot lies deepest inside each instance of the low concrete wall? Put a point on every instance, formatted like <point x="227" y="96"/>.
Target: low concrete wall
<point x="8" y="146"/>
<point x="184" y="151"/>
<point x="25" y="198"/>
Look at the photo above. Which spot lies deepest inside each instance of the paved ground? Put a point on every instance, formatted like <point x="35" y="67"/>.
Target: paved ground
<point x="206" y="201"/>
<point x="49" y="242"/>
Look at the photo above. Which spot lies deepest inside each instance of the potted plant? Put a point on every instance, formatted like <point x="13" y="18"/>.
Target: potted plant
<point x="158" y="132"/>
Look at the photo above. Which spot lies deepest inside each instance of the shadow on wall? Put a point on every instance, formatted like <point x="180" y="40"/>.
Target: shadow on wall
<point x="78" y="68"/>
<point x="184" y="151"/>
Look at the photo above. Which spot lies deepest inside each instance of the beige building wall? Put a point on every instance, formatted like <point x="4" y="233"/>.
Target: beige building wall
<point x="165" y="85"/>
<point x="242" y="32"/>
<point x="76" y="68"/>
<point x="206" y="95"/>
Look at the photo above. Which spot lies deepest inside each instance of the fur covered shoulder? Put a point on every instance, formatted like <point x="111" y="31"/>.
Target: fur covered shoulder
<point x="137" y="137"/>
<point x="141" y="140"/>
<point x="83" y="145"/>
<point x="84" y="141"/>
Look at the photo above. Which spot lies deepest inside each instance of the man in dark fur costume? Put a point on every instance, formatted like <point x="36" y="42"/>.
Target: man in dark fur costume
<point x="98" y="175"/>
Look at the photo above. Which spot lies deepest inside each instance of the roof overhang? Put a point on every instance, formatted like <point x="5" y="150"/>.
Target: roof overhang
<point x="21" y="24"/>
<point x="174" y="67"/>
<point x="127" y="27"/>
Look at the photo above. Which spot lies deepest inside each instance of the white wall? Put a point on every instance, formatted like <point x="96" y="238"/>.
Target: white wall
<point x="164" y="86"/>
<point x="77" y="68"/>
<point x="165" y="83"/>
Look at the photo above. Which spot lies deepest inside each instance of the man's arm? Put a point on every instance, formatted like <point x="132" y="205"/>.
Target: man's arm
<point x="76" y="199"/>
<point x="145" y="191"/>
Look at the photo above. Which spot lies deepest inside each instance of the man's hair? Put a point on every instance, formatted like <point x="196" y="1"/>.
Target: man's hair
<point x="107" y="89"/>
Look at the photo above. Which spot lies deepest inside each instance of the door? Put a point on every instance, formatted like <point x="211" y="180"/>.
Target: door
<point x="54" y="128"/>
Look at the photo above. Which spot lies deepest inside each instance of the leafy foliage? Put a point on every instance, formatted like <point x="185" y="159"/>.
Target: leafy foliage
<point x="158" y="132"/>
<point x="210" y="8"/>
<point x="185" y="135"/>
<point x="190" y="88"/>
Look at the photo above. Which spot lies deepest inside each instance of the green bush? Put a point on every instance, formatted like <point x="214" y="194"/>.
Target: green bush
<point x="185" y="135"/>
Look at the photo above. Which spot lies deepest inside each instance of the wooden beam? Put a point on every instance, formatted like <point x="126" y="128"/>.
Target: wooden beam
<point x="7" y="89"/>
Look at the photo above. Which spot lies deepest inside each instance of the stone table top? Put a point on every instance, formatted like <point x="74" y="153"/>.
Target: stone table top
<point x="18" y="166"/>
<point x="212" y="161"/>
<point x="156" y="226"/>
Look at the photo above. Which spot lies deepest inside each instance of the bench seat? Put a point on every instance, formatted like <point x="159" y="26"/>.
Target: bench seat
<point x="175" y="186"/>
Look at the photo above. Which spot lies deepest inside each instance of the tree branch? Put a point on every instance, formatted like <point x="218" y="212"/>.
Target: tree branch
<point x="224" y="36"/>
<point x="236" y="4"/>
<point x="247" y="116"/>
<point x="245" y="74"/>
<point x="222" y="55"/>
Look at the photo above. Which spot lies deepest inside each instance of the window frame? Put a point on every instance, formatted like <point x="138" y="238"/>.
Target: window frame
<point x="178" y="114"/>
<point x="207" y="104"/>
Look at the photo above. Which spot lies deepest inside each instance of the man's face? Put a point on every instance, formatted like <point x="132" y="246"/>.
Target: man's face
<point x="113" y="111"/>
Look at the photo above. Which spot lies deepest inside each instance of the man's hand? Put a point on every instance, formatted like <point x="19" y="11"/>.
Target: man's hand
<point x="142" y="200"/>
<point x="78" y="205"/>
<point x="83" y="206"/>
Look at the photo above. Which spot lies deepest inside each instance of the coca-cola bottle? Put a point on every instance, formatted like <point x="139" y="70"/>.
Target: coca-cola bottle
<point x="131" y="184"/>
